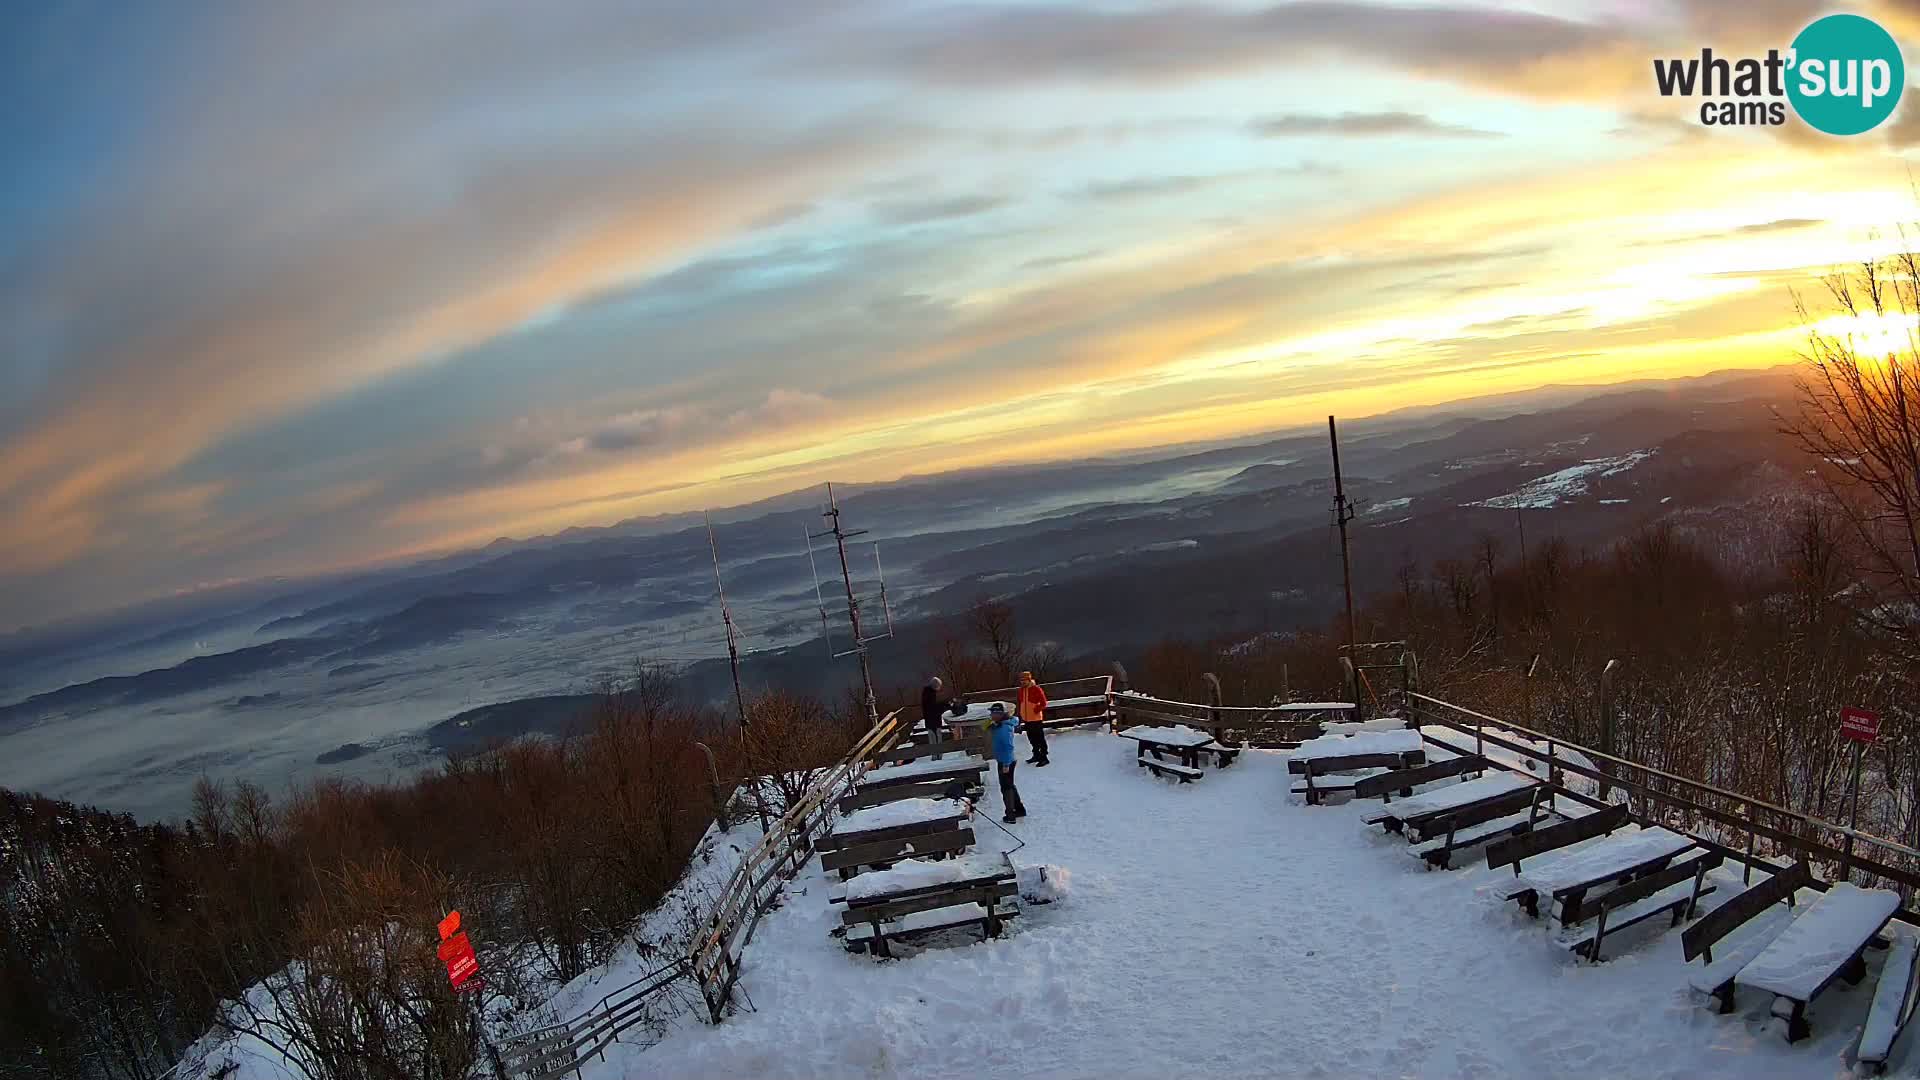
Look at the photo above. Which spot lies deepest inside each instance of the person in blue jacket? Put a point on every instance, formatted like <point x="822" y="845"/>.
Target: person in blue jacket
<point x="1000" y="728"/>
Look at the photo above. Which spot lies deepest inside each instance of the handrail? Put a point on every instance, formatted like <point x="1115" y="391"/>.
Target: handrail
<point x="739" y="905"/>
<point x="1843" y="830"/>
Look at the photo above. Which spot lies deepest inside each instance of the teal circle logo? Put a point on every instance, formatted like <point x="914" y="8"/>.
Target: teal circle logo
<point x="1846" y="74"/>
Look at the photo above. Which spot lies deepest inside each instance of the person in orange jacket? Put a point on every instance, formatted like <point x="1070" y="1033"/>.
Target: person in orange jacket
<point x="1032" y="707"/>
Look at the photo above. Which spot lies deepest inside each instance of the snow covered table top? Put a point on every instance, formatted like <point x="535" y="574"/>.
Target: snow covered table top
<point x="1453" y="795"/>
<point x="957" y="761"/>
<point x="1600" y="859"/>
<point x="895" y="815"/>
<point x="1366" y="742"/>
<point x="914" y="875"/>
<point x="976" y="714"/>
<point x="1809" y="951"/>
<point x="1314" y="706"/>
<point x="1177" y="735"/>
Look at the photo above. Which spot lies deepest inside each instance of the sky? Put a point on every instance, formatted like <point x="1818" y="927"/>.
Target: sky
<point x="290" y="288"/>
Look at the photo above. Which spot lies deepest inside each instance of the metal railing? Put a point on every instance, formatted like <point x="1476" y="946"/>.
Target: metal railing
<point x="713" y="960"/>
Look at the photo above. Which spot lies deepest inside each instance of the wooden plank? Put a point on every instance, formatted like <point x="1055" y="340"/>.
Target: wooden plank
<point x="900" y="755"/>
<point x="1405" y="759"/>
<point x="1374" y="787"/>
<point x="1893" y="1002"/>
<point x="1168" y="768"/>
<point x="961" y="769"/>
<point x="1001" y="876"/>
<point x="896" y="849"/>
<point x="931" y="789"/>
<point x="1698" y="939"/>
<point x="1645" y="885"/>
<point x="984" y="895"/>
<point x="1467" y="815"/>
<point x="1511" y="851"/>
<point x="836" y="840"/>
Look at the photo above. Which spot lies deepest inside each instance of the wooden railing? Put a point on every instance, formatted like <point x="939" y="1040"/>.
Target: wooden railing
<point x="713" y="959"/>
<point x="1070" y="701"/>
<point x="1744" y="828"/>
<point x="1281" y="725"/>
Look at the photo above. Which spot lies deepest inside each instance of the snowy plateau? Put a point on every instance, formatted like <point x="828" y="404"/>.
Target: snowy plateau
<point x="1219" y="929"/>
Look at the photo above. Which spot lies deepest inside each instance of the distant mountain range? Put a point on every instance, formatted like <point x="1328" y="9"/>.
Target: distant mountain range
<point x="1201" y="540"/>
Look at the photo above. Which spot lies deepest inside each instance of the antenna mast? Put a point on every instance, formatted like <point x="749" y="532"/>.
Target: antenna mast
<point x="840" y="538"/>
<point x="1342" y="513"/>
<point x="733" y="660"/>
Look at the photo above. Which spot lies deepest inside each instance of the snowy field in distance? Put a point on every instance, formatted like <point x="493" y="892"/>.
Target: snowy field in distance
<point x="1220" y="929"/>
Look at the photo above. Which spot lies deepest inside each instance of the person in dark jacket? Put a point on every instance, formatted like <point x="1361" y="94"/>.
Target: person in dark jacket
<point x="1000" y="733"/>
<point x="932" y="705"/>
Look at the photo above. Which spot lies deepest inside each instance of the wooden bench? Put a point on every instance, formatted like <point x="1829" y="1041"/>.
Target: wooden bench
<point x="881" y="853"/>
<point x="986" y="882"/>
<point x="953" y="778"/>
<point x="1223" y="756"/>
<point x="1715" y="977"/>
<point x="1893" y="1001"/>
<point x="1617" y="859"/>
<point x="1511" y="851"/>
<point x="1404" y="781"/>
<point x="1317" y="769"/>
<point x="1821" y="946"/>
<point x="1487" y="820"/>
<point x="1498" y="793"/>
<point x="847" y="849"/>
<point x="1643" y="898"/>
<point x="1184" y="773"/>
<point x="906" y="752"/>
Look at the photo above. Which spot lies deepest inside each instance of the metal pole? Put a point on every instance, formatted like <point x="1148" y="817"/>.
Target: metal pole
<point x="853" y="606"/>
<point x="1606" y="725"/>
<point x="1853" y="813"/>
<point x="739" y="695"/>
<point x="1342" y="513"/>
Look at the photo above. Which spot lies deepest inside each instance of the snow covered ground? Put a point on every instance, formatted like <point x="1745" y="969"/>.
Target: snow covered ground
<point x="1570" y="483"/>
<point x="1221" y="929"/>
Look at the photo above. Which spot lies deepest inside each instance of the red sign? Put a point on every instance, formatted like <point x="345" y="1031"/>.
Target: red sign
<point x="457" y="951"/>
<point x="449" y="925"/>
<point x="1859" y="724"/>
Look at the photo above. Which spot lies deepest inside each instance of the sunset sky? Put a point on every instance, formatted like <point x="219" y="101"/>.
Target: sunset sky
<point x="298" y="286"/>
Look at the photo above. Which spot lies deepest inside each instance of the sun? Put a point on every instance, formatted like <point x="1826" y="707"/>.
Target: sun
<point x="1871" y="334"/>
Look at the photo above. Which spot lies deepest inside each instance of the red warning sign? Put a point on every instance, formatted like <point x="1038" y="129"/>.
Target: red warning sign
<point x="1859" y="724"/>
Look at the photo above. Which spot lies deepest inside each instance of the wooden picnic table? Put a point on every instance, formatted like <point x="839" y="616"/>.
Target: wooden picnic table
<point x="1415" y="810"/>
<point x="918" y="895"/>
<point x="1568" y="876"/>
<point x="1178" y="739"/>
<point x="1822" y="945"/>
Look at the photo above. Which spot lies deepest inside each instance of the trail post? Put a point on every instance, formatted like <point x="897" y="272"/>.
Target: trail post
<point x="1863" y="728"/>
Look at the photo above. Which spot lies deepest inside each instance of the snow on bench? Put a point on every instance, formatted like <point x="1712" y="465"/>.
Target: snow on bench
<point x="1892" y="1006"/>
<point x="1823" y="944"/>
<point x="1595" y="862"/>
<point x="1676" y="900"/>
<point x="1186" y="774"/>
<point x="915" y="875"/>
<point x="1438" y="851"/>
<point x="1713" y="978"/>
<point x="1073" y="702"/>
<point x="925" y="766"/>
<point x="1399" y="741"/>
<point x="1316" y="706"/>
<point x="896" y="815"/>
<point x="1451" y="796"/>
<point x="1179" y="735"/>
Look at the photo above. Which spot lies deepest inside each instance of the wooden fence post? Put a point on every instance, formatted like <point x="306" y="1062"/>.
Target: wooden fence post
<point x="1214" y="697"/>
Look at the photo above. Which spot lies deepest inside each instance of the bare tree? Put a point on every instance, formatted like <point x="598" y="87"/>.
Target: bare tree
<point x="993" y="624"/>
<point x="1857" y="419"/>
